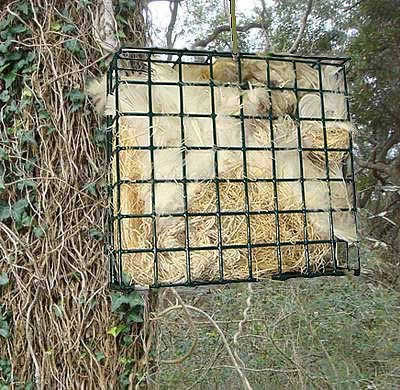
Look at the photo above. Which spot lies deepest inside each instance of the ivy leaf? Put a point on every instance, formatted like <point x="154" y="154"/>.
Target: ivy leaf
<point x="67" y="28"/>
<point x="26" y="220"/>
<point x="5" y="96"/>
<point x="3" y="154"/>
<point x="56" y="26"/>
<point x="30" y="56"/>
<point x="116" y="330"/>
<point x="5" y="22"/>
<point x="118" y="299"/>
<point x="23" y="7"/>
<point x="9" y="78"/>
<point x="96" y="234"/>
<point x="99" y="356"/>
<point x="26" y="183"/>
<point x="43" y="114"/>
<point x="4" y="329"/>
<point x="4" y="279"/>
<point x="74" y="46"/>
<point x="14" y="56"/>
<point x="77" y="98"/>
<point x="27" y="137"/>
<point x="4" y="46"/>
<point x="19" y="28"/>
<point x="38" y="231"/>
<point x="18" y="209"/>
<point x="90" y="187"/>
<point x="19" y="65"/>
<point x="12" y="106"/>
<point x="5" y="211"/>
<point x="134" y="317"/>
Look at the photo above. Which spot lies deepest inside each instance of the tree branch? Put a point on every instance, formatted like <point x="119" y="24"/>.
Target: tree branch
<point x="381" y="167"/>
<point x="226" y="27"/>
<point x="264" y="24"/>
<point x="296" y="43"/>
<point x="390" y="142"/>
<point x="352" y="6"/>
<point x="173" y="6"/>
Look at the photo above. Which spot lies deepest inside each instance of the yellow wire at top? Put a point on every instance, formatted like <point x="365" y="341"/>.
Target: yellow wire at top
<point x="234" y="35"/>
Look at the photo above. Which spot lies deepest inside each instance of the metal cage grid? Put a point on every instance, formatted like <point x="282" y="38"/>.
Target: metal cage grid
<point x="141" y="60"/>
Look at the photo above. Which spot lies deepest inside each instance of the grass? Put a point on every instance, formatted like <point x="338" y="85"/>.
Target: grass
<point x="326" y="333"/>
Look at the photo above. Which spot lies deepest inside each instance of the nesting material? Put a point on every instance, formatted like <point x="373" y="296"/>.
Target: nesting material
<point x="203" y="231"/>
<point x="337" y="137"/>
<point x="169" y="155"/>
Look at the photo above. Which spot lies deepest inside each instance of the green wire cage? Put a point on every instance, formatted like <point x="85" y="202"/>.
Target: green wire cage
<point x="297" y="195"/>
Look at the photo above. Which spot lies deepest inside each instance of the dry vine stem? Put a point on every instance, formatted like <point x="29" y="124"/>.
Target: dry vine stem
<point x="239" y="370"/>
<point x="242" y="322"/>
<point x="57" y="293"/>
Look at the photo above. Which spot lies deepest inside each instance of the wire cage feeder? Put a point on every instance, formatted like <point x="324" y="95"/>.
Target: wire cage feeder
<point x="224" y="170"/>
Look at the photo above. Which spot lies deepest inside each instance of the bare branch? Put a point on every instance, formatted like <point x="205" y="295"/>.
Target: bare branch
<point x="390" y="142"/>
<point x="264" y="22"/>
<point x="226" y="27"/>
<point x="296" y="43"/>
<point x="352" y="6"/>
<point x="365" y="197"/>
<point x="381" y="167"/>
<point x="173" y="6"/>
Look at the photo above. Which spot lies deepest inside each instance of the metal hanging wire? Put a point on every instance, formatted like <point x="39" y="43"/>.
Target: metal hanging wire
<point x="234" y="34"/>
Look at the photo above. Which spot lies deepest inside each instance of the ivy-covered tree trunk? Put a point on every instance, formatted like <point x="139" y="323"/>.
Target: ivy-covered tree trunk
<point x="57" y="328"/>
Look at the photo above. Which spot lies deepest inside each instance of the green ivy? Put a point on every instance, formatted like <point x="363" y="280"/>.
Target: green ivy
<point x="5" y="322"/>
<point x="128" y="307"/>
<point x="17" y="150"/>
<point x="76" y="98"/>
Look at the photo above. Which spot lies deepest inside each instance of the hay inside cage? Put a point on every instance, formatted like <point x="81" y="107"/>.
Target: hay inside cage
<point x="215" y="184"/>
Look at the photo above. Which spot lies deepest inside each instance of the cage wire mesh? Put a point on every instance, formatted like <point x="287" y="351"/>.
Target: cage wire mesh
<point x="224" y="170"/>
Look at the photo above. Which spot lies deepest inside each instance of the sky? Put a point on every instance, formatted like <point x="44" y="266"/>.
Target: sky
<point x="161" y="15"/>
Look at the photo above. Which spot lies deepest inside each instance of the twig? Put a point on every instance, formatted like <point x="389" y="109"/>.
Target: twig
<point x="296" y="43"/>
<point x="352" y="6"/>
<point x="260" y="369"/>
<point x="29" y="340"/>
<point x="77" y="70"/>
<point x="221" y="333"/>
<point x="189" y="319"/>
<point x="173" y="6"/>
<point x="226" y="27"/>
<point x="242" y="322"/>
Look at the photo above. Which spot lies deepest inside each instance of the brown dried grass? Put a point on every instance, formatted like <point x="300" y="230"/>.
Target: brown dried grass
<point x="203" y="231"/>
<point x="57" y="293"/>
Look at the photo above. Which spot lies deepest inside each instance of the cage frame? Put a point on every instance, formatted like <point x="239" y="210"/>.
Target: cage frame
<point x="117" y="280"/>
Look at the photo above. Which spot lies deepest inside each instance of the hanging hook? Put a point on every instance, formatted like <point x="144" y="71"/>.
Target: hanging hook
<point x="234" y="35"/>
